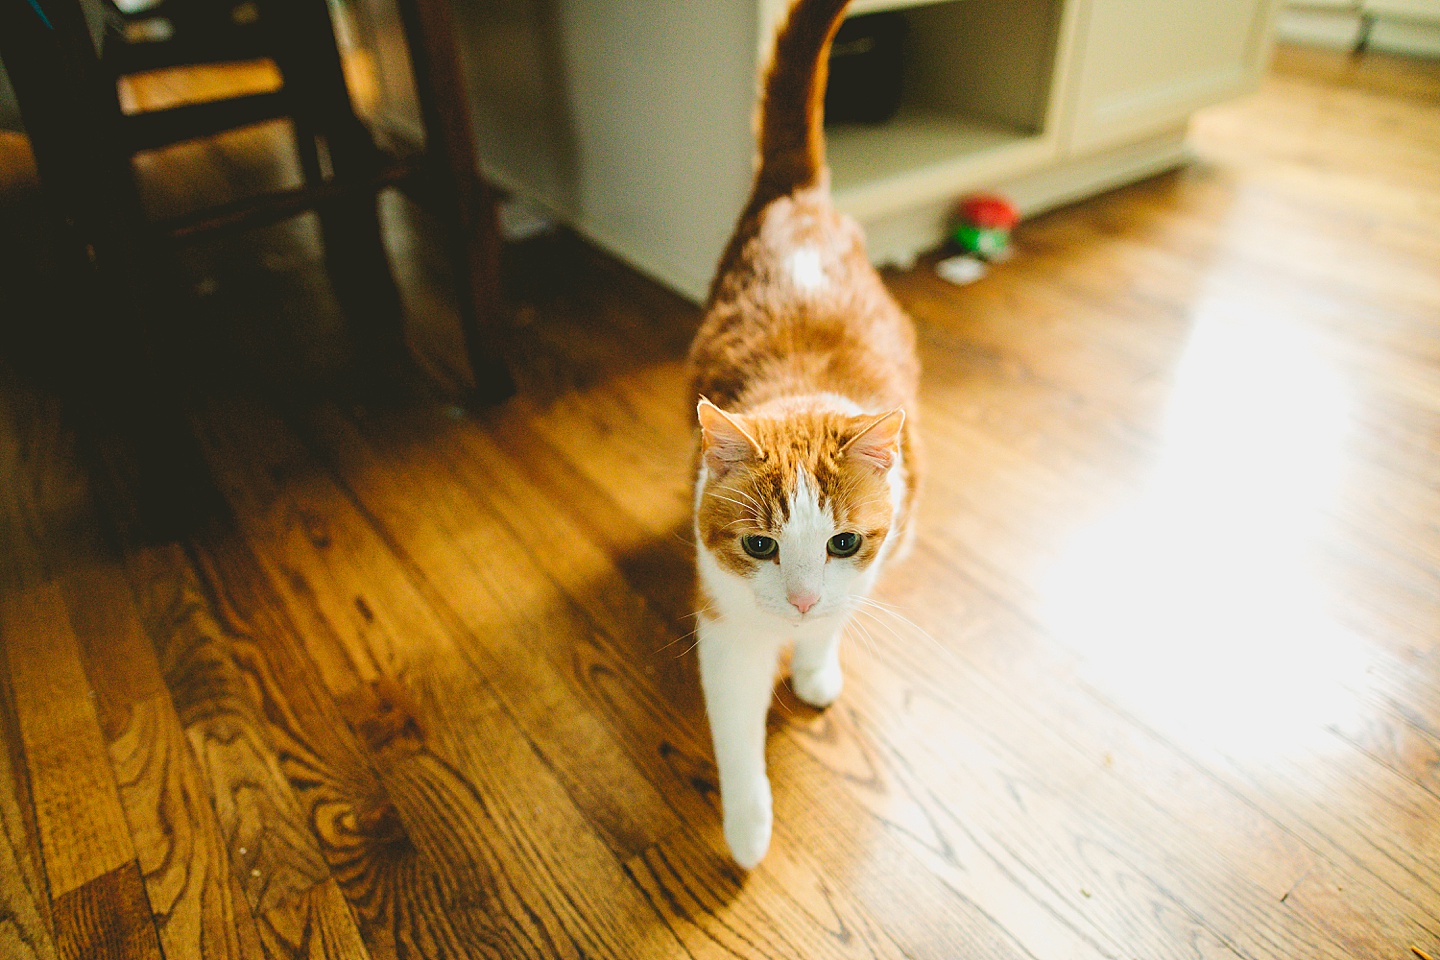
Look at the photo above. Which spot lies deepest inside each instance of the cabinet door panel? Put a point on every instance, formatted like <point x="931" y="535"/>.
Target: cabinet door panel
<point x="1422" y="11"/>
<point x="1145" y="65"/>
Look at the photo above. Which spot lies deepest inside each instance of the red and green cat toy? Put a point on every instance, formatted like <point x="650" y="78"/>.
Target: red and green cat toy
<point x="983" y="224"/>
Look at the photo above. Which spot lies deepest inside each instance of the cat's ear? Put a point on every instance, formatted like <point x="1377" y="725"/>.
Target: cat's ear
<point x="878" y="442"/>
<point x="724" y="439"/>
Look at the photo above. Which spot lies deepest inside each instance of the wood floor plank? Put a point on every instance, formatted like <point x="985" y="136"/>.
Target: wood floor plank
<point x="317" y="926"/>
<point x="23" y="931"/>
<point x="218" y="685"/>
<point x="198" y="902"/>
<point x="28" y="927"/>
<point x="78" y="812"/>
<point x="252" y="743"/>
<point x="107" y="918"/>
<point x="25" y="923"/>
<point x="198" y="909"/>
<point x="1404" y="744"/>
<point x="500" y="840"/>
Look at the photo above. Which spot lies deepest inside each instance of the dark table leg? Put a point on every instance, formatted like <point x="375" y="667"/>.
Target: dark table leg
<point x="309" y="60"/>
<point x="463" y="202"/>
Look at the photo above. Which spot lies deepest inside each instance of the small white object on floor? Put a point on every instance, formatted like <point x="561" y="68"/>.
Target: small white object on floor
<point x="961" y="270"/>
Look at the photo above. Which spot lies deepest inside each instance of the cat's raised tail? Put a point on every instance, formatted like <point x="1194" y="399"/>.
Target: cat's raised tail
<point x="791" y="130"/>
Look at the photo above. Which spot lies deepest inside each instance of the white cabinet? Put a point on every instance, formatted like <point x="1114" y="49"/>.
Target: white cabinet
<point x="1423" y="11"/>
<point x="633" y="120"/>
<point x="1141" y="64"/>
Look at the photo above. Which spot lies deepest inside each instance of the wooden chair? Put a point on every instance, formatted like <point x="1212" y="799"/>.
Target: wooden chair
<point x="122" y="264"/>
<point x="84" y="141"/>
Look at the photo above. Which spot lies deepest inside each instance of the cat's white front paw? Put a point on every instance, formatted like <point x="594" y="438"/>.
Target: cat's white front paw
<point x="819" y="687"/>
<point x="747" y="829"/>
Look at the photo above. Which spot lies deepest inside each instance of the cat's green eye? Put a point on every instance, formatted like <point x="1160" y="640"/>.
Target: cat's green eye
<point x="761" y="548"/>
<point x="843" y="545"/>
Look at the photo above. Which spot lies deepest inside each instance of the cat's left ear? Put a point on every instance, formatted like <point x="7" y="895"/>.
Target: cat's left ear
<point x="878" y="442"/>
<point x="724" y="439"/>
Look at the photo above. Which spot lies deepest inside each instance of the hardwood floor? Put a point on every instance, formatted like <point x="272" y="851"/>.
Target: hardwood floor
<point x="1162" y="678"/>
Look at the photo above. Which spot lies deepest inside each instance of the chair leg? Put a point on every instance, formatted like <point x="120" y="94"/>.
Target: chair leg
<point x="464" y="203"/>
<point x="360" y="271"/>
<point x="309" y="60"/>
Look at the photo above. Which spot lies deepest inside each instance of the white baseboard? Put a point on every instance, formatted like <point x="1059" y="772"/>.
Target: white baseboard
<point x="1340" y="29"/>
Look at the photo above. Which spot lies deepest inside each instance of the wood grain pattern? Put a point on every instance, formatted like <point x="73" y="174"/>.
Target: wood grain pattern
<point x="77" y="808"/>
<point x="25" y="920"/>
<point x="441" y="795"/>
<point x="107" y="918"/>
<point x="1161" y="678"/>
<point x="193" y="891"/>
<point x="187" y="874"/>
<point x="250" y="749"/>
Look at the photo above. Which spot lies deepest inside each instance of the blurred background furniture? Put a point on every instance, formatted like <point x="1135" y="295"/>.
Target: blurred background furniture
<point x="121" y="262"/>
<point x="1409" y="27"/>
<point x="633" y="121"/>
<point x="70" y="108"/>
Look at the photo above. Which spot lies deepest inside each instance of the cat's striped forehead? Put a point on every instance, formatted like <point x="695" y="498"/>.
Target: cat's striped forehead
<point x="804" y="470"/>
<point x="799" y="452"/>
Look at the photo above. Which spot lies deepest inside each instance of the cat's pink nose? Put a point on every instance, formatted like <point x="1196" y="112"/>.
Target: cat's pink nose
<point x="803" y="601"/>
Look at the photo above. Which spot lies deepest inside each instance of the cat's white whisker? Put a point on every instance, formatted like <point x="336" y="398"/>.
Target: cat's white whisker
<point x="874" y="643"/>
<point x="894" y="611"/>
<point x="877" y="606"/>
<point x="742" y="506"/>
<point x="684" y="653"/>
<point x="869" y="615"/>
<point x="672" y="643"/>
<point x="864" y="634"/>
<point x="755" y="503"/>
<point x="694" y="613"/>
<point x="684" y="636"/>
<point x="789" y="682"/>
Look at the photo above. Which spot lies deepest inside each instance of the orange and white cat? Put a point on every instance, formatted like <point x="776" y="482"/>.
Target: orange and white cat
<point x="807" y="375"/>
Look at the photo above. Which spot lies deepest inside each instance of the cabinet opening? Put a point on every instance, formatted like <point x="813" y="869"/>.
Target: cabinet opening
<point x="976" y="77"/>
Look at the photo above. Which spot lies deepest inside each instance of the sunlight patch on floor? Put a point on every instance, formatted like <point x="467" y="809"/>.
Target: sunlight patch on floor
<point x="1199" y="603"/>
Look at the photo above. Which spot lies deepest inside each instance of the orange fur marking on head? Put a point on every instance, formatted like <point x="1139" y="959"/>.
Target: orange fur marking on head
<point x="753" y="496"/>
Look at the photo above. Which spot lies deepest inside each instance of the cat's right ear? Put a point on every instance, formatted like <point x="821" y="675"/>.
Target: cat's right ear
<point x="723" y="439"/>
